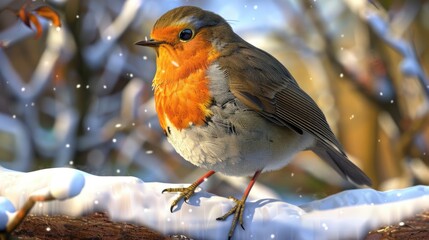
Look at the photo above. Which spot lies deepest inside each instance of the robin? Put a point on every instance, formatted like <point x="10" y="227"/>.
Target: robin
<point x="232" y="108"/>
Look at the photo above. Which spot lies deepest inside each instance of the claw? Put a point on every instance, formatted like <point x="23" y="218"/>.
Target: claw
<point x="184" y="193"/>
<point x="237" y="210"/>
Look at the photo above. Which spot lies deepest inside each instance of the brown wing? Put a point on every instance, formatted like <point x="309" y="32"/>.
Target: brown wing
<point x="266" y="86"/>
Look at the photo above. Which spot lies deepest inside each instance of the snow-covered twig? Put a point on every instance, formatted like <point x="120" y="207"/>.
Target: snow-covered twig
<point x="410" y="65"/>
<point x="65" y="184"/>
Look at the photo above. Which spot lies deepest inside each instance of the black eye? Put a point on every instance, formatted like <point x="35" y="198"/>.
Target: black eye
<point x="186" y="34"/>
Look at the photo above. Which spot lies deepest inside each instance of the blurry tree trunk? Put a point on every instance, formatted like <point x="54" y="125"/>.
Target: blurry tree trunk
<point x="358" y="127"/>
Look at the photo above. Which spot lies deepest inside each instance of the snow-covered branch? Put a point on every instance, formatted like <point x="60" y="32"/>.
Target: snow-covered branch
<point x="410" y="65"/>
<point x="346" y="215"/>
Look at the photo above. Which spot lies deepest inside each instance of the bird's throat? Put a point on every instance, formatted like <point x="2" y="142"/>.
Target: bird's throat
<point x="181" y="87"/>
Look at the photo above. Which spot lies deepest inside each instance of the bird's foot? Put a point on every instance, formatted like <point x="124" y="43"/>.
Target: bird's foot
<point x="185" y="193"/>
<point x="238" y="211"/>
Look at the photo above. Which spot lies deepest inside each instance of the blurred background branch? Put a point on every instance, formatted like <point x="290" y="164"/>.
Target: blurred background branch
<point x="80" y="95"/>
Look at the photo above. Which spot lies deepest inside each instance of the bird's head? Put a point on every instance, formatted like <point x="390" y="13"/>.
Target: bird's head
<point x="185" y="28"/>
<point x="187" y="41"/>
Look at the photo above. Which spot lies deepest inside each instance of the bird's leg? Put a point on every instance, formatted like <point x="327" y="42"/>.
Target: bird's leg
<point x="186" y="193"/>
<point x="238" y="209"/>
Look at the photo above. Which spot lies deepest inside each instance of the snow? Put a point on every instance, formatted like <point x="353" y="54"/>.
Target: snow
<point x="6" y="207"/>
<point x="349" y="214"/>
<point x="66" y="184"/>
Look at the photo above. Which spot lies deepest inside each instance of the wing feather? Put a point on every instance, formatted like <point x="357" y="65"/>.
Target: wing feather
<point x="264" y="85"/>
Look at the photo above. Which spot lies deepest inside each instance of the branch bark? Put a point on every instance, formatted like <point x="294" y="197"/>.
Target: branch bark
<point x="98" y="226"/>
<point x="94" y="226"/>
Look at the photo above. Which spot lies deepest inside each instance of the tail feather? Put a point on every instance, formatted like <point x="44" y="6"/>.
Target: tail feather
<point x="341" y="164"/>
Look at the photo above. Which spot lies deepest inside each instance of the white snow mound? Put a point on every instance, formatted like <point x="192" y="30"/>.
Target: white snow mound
<point x="346" y="215"/>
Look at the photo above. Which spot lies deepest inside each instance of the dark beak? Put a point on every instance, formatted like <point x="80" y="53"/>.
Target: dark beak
<point x="149" y="43"/>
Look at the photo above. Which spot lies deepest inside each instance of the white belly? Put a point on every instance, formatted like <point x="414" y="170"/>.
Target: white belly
<point x="239" y="144"/>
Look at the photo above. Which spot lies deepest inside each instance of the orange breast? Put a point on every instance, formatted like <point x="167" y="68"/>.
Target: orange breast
<point x="181" y="86"/>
